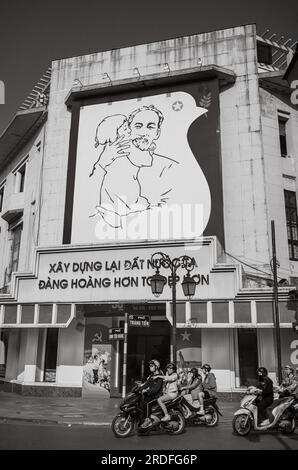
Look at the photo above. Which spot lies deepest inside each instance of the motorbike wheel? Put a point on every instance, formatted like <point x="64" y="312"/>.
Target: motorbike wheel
<point x="214" y="420"/>
<point x="239" y="427"/>
<point x="122" y="426"/>
<point x="179" y="417"/>
<point x="289" y="429"/>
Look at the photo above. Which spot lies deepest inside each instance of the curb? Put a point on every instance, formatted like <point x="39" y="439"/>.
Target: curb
<point x="51" y="421"/>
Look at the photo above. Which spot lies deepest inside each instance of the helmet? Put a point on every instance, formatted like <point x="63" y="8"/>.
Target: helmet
<point x="155" y="362"/>
<point x="290" y="368"/>
<point x="263" y="371"/>
<point x="172" y="365"/>
<point x="194" y="371"/>
<point x="207" y="367"/>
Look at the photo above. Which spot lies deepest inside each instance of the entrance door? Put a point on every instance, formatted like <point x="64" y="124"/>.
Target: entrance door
<point x="50" y="363"/>
<point x="248" y="355"/>
<point x="145" y="344"/>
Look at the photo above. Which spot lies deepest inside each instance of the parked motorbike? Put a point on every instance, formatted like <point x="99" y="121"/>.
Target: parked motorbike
<point x="209" y="418"/>
<point x="282" y="414"/>
<point x="131" y="416"/>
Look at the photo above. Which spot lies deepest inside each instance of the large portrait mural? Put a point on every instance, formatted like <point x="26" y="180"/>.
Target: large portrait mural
<point x="140" y="171"/>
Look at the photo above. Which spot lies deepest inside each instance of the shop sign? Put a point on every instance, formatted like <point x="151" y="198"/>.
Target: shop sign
<point x="139" y="320"/>
<point x="116" y="333"/>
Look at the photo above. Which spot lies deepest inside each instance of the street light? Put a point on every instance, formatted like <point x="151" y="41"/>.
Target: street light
<point x="157" y="283"/>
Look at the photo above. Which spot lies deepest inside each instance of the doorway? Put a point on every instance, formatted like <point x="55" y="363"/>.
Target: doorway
<point x="248" y="356"/>
<point x="50" y="363"/>
<point x="145" y="344"/>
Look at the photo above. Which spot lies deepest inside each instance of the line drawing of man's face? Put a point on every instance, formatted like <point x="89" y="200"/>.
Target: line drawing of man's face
<point x="145" y="128"/>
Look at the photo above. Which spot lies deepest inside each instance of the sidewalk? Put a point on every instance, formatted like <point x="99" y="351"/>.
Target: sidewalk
<point x="60" y="410"/>
<point x="72" y="411"/>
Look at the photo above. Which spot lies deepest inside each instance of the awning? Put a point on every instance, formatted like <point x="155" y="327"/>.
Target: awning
<point x="19" y="131"/>
<point x="36" y="315"/>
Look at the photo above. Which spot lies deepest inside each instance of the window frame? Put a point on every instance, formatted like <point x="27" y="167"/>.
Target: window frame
<point x="283" y="143"/>
<point x="292" y="225"/>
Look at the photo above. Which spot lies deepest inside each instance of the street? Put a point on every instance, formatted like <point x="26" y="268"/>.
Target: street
<point x="19" y="435"/>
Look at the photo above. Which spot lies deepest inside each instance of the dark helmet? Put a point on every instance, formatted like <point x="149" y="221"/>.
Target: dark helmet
<point x="206" y="367"/>
<point x="194" y="371"/>
<point x="172" y="366"/>
<point x="155" y="362"/>
<point x="263" y="371"/>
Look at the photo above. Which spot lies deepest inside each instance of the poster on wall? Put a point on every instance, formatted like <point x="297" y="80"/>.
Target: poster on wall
<point x="146" y="167"/>
<point x="189" y="349"/>
<point x="97" y="360"/>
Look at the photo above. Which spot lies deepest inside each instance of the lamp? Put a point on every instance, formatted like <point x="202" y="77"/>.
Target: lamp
<point x="157" y="283"/>
<point x="189" y="286"/>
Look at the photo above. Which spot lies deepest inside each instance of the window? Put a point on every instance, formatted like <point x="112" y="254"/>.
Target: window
<point x="220" y="312"/>
<point x="282" y="122"/>
<point x="15" y="253"/>
<point x="1" y="197"/>
<point x="20" y="175"/>
<point x="291" y="217"/>
<point x="264" y="52"/>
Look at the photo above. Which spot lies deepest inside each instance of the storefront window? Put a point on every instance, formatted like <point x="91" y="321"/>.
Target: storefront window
<point x="264" y="312"/>
<point x="285" y="315"/>
<point x="27" y="313"/>
<point x="3" y="351"/>
<point x="220" y="312"/>
<point x="180" y="313"/>
<point x="45" y="314"/>
<point x="63" y="313"/>
<point x="10" y="314"/>
<point x="199" y="312"/>
<point x="242" y="312"/>
<point x="97" y="356"/>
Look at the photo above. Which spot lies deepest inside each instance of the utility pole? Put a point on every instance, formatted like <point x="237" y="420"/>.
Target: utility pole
<point x="276" y="310"/>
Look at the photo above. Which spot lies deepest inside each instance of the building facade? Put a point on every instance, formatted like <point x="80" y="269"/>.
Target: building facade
<point x="186" y="146"/>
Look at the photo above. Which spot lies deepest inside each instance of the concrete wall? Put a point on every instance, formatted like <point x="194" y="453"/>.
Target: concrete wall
<point x="218" y="351"/>
<point x="280" y="173"/>
<point x="29" y="200"/>
<point x="70" y="355"/>
<point x="13" y="354"/>
<point x="232" y="48"/>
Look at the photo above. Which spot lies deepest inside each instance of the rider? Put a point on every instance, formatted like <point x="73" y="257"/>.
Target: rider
<point x="170" y="388"/>
<point x="209" y="382"/>
<point x="265" y="387"/>
<point x="195" y="388"/>
<point x="152" y="388"/>
<point x="290" y="383"/>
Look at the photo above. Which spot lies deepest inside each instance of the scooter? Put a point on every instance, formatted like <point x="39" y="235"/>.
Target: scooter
<point x="281" y="414"/>
<point x="131" y="416"/>
<point x="211" y="412"/>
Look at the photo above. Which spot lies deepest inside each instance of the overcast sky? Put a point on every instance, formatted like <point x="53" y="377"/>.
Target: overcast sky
<point x="32" y="33"/>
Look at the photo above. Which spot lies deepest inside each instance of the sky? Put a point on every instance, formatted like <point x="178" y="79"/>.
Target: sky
<point x="33" y="33"/>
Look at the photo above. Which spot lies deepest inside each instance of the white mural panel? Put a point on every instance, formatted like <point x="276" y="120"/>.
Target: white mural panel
<point x="136" y="176"/>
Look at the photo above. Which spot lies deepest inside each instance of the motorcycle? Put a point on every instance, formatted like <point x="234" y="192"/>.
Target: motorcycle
<point x="282" y="414"/>
<point x="131" y="416"/>
<point x="211" y="412"/>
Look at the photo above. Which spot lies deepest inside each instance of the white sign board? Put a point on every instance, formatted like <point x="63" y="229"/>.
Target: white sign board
<point x="113" y="275"/>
